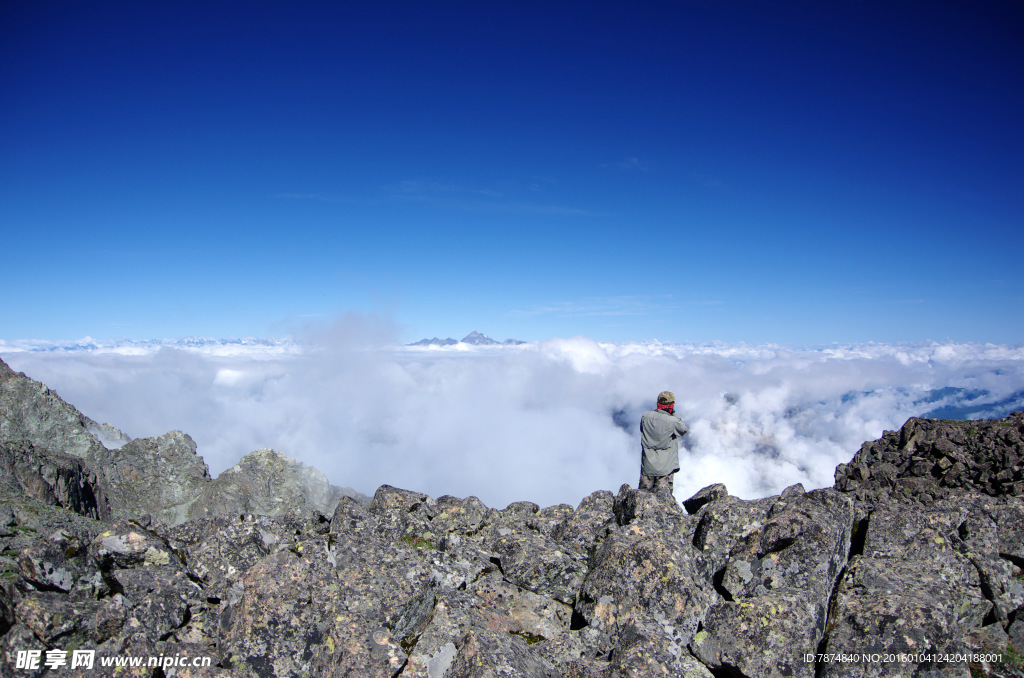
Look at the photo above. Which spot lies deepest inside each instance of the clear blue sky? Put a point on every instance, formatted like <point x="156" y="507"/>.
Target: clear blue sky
<point x="800" y="172"/>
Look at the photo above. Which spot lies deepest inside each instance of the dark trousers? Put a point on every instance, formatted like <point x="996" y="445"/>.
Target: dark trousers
<point x="657" y="484"/>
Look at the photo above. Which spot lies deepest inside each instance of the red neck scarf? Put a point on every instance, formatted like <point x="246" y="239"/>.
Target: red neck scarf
<point x="668" y="407"/>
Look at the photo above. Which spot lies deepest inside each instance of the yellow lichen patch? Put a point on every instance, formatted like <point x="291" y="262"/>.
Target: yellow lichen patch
<point x="155" y="557"/>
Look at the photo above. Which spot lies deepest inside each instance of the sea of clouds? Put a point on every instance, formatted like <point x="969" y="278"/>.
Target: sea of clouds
<point x="548" y="422"/>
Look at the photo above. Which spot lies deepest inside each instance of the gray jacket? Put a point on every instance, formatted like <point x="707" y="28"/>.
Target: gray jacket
<point x="659" y="440"/>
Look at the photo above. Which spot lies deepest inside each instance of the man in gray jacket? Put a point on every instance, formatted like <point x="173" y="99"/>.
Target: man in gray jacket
<point x="660" y="431"/>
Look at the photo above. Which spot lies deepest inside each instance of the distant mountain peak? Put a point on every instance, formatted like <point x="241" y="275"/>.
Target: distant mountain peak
<point x="478" y="339"/>
<point x="435" y="342"/>
<point x="474" y="338"/>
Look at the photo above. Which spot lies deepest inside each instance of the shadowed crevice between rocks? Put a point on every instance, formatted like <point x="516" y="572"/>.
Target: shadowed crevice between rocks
<point x="727" y="671"/>
<point x="578" y="622"/>
<point x="858" y="536"/>
<point x="717" y="580"/>
<point x="401" y="669"/>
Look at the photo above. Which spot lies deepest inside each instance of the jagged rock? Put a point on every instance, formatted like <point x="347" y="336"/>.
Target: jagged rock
<point x="46" y="544"/>
<point x="110" y="617"/>
<point x="163" y="599"/>
<point x="992" y="536"/>
<point x="219" y="551"/>
<point x="128" y="545"/>
<point x="267" y="482"/>
<point x="914" y="589"/>
<point x="45" y="566"/>
<point x="30" y="411"/>
<point x="647" y="571"/>
<point x="705" y="496"/>
<point x="520" y="511"/>
<point x="777" y="582"/>
<point x="645" y="649"/>
<point x="929" y="459"/>
<point x="394" y="601"/>
<point x="7" y="617"/>
<point x="501" y="654"/>
<point x="360" y="585"/>
<point x="442" y="616"/>
<point x="548" y="520"/>
<point x="937" y="542"/>
<point x="278" y="623"/>
<point x="53" y="616"/>
<point x="533" y="617"/>
<point x="53" y="478"/>
<point x="535" y="562"/>
<point x="802" y="545"/>
<point x="402" y="515"/>
<point x="991" y="636"/>
<point x="1016" y="636"/>
<point x="161" y="476"/>
<point x="464" y="517"/>
<point x="722" y="524"/>
<point x="757" y="636"/>
<point x="585" y="529"/>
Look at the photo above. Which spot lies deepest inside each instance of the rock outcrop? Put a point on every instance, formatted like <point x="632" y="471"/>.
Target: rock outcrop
<point x="54" y="478"/>
<point x="906" y="567"/>
<point x="938" y="548"/>
<point x="31" y="411"/>
<point x="266" y="482"/>
<point x="163" y="477"/>
<point x="931" y="459"/>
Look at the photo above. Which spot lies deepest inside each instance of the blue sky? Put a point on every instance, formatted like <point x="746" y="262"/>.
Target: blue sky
<point x="795" y="172"/>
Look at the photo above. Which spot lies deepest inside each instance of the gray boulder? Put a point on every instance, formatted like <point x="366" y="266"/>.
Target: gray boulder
<point x="777" y="582"/>
<point x="647" y="571"/>
<point x="585" y="529"/>
<point x="705" y="496"/>
<point x="916" y="588"/>
<point x="533" y="561"/>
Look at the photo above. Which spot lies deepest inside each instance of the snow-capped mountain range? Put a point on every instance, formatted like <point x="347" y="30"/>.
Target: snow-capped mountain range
<point x="222" y="347"/>
<point x="473" y="339"/>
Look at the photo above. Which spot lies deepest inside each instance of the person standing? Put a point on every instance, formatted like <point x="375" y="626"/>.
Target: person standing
<point x="660" y="431"/>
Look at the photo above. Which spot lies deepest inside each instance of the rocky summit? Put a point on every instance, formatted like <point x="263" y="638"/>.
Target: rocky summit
<point x="911" y="565"/>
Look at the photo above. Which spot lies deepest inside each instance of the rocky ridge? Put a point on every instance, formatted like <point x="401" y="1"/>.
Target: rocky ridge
<point x="910" y="566"/>
<point x="163" y="477"/>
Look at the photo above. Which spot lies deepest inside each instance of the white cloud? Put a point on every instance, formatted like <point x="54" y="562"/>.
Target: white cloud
<point x="549" y="422"/>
